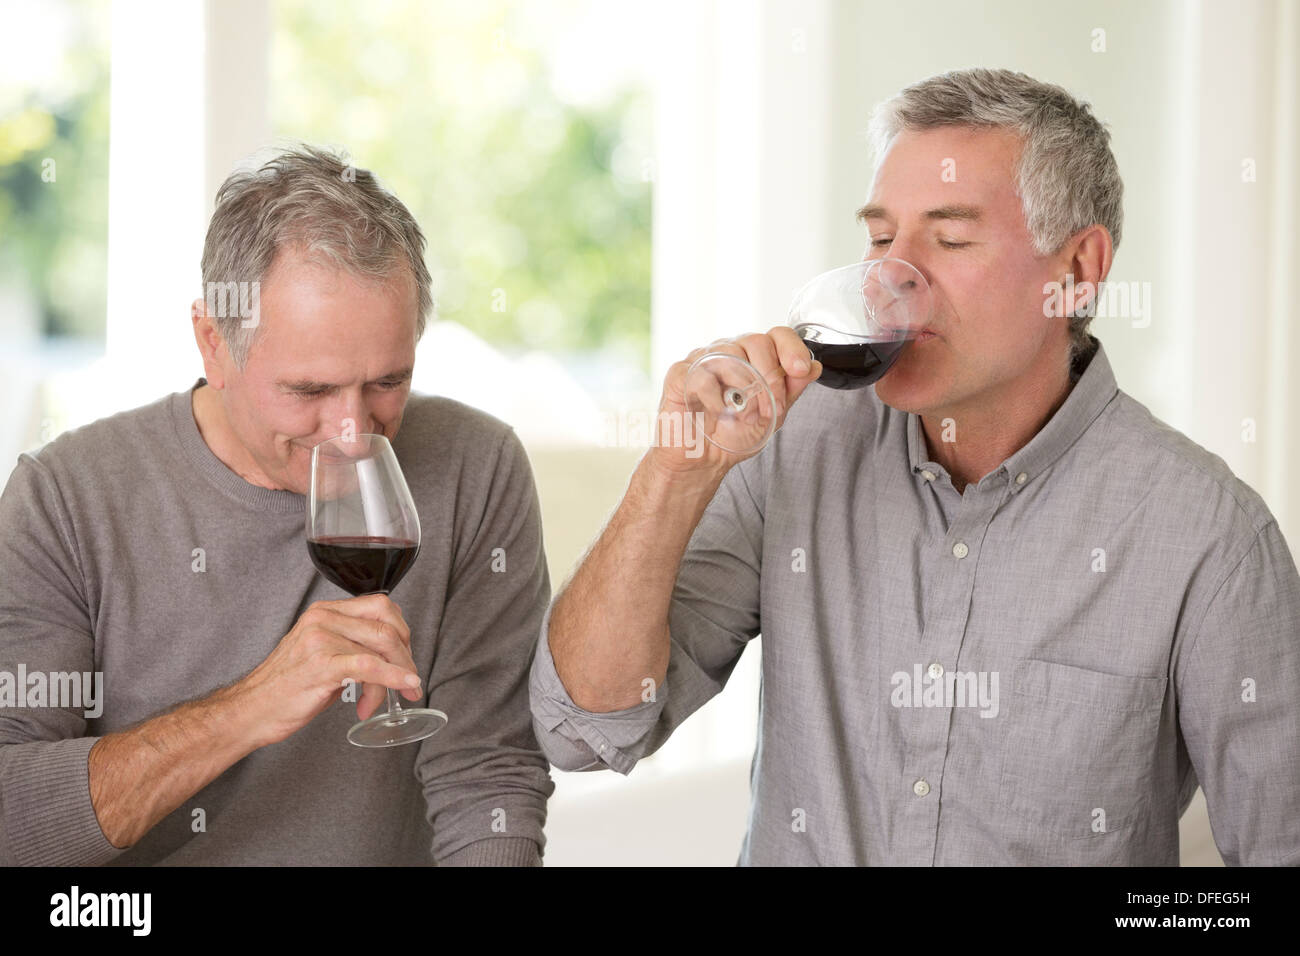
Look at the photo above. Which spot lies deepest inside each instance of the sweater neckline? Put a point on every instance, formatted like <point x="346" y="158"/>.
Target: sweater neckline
<point x="215" y="471"/>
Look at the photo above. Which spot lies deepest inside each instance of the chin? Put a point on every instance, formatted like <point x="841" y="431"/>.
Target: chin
<point x="296" y="470"/>
<point x="907" y="393"/>
<point x="916" y="383"/>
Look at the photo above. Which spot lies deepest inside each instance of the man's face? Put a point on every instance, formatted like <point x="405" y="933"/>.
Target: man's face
<point x="967" y="235"/>
<point x="331" y="347"/>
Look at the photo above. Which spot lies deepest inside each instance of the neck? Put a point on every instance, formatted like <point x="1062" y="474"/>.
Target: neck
<point x="971" y="440"/>
<point x="210" y="417"/>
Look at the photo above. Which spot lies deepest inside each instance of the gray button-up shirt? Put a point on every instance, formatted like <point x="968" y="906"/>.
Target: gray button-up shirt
<point x="1039" y="670"/>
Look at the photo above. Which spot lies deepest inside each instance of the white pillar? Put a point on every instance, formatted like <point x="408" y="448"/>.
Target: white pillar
<point x="742" y="133"/>
<point x="1231" y="219"/>
<point x="237" y="105"/>
<point x="189" y="97"/>
<point x="1282" y="452"/>
<point x="155" y="197"/>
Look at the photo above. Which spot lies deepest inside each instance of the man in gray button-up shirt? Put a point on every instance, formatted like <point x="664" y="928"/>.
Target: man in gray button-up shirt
<point x="1008" y="616"/>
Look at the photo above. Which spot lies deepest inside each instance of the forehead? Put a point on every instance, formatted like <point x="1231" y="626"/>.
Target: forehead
<point x="303" y="293"/>
<point x="312" y="308"/>
<point x="951" y="164"/>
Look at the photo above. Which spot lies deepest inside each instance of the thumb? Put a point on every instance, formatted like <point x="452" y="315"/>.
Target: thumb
<point x="794" y="387"/>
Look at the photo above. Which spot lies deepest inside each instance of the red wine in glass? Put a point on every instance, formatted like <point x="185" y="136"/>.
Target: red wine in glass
<point x="363" y="565"/>
<point x="856" y="320"/>
<point x="855" y="364"/>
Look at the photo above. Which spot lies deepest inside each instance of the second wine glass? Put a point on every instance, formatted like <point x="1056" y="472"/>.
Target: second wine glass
<point x="856" y="320"/>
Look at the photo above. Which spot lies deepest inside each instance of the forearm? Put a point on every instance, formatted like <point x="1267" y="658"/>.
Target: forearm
<point x="609" y="626"/>
<point x="140" y="775"/>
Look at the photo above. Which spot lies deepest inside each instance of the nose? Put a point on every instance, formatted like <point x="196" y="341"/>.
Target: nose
<point x="897" y="294"/>
<point x="349" y="408"/>
<point x="899" y="275"/>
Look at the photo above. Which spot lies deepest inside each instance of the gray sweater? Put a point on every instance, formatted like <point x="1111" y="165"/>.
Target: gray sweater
<point x="101" y="571"/>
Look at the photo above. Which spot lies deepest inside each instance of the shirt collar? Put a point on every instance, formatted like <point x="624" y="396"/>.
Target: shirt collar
<point x="1093" y="390"/>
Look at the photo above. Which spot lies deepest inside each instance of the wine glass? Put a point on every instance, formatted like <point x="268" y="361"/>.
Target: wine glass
<point x="363" y="534"/>
<point x="856" y="320"/>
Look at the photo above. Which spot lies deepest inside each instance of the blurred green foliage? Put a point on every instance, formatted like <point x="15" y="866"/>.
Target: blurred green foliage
<point x="54" y="169"/>
<point x="536" y="210"/>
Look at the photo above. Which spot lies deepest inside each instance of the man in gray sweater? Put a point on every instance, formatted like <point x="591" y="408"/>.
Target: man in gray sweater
<point x="159" y="556"/>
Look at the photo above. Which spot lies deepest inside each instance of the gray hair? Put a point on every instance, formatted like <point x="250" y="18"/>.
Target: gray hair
<point x="1067" y="177"/>
<point x="311" y="198"/>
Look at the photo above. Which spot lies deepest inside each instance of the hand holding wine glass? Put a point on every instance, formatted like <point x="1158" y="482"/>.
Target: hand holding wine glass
<point x="736" y="393"/>
<point x="363" y="638"/>
<point x="363" y="534"/>
<point x="854" y="321"/>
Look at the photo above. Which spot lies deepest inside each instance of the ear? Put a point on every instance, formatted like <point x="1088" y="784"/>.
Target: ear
<point x="1087" y="258"/>
<point x="211" y="345"/>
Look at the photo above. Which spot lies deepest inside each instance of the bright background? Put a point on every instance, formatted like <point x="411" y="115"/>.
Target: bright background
<point x="606" y="185"/>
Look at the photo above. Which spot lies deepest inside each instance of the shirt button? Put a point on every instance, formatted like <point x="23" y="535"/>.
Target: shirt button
<point x="960" y="550"/>
<point x="920" y="788"/>
<point x="1021" y="478"/>
<point x="928" y="475"/>
<point x="936" y="670"/>
<point x="602" y="748"/>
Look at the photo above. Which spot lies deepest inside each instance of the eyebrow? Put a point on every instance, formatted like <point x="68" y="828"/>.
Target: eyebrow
<point x="963" y="213"/>
<point x="309" y="385"/>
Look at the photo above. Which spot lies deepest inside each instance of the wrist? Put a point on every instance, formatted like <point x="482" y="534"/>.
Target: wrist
<point x="663" y="476"/>
<point x="669" y="500"/>
<point x="238" y="721"/>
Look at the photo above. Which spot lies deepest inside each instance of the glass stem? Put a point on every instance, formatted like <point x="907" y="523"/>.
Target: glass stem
<point x="738" y="398"/>
<point x="393" y="706"/>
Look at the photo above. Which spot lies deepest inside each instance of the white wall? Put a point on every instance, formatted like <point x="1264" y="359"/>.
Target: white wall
<point x="1188" y="90"/>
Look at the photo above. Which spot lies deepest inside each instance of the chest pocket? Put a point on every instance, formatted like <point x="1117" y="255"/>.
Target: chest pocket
<point x="1078" y="741"/>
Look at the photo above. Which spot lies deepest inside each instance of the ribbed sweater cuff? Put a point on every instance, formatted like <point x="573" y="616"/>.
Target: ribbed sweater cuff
<point x="498" y="851"/>
<point x="48" y="816"/>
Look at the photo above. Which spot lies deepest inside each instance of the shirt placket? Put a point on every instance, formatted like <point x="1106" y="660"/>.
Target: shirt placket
<point x="926" y="729"/>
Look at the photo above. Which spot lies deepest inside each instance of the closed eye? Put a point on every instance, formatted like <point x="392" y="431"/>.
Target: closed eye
<point x="388" y="386"/>
<point x="943" y="242"/>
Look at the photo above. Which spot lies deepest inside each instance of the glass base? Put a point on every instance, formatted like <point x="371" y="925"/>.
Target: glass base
<point x="731" y="402"/>
<point x="404" y="727"/>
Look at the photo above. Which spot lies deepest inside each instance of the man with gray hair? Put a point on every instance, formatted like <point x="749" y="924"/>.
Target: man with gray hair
<point x="1008" y="616"/>
<point x="165" y="547"/>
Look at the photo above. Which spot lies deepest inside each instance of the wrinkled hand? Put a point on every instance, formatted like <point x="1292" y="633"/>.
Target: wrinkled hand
<point x="779" y="355"/>
<point x="364" y="639"/>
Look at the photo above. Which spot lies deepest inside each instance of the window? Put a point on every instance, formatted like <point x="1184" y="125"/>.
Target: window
<point x="53" y="211"/>
<point x="519" y="136"/>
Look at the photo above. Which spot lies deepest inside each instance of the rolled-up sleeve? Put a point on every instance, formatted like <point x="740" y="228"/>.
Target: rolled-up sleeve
<point x="577" y="739"/>
<point x="1238" y="710"/>
<point x="713" y="615"/>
